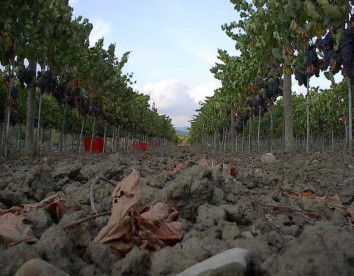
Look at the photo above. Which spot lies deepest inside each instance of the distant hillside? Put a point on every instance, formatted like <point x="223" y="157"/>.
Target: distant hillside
<point x="182" y="130"/>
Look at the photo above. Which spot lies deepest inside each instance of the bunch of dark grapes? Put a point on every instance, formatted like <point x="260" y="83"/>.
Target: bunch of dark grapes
<point x="24" y="76"/>
<point x="326" y="45"/>
<point x="346" y="47"/>
<point x="312" y="61"/>
<point x="14" y="92"/>
<point x="301" y="77"/>
<point x="46" y="81"/>
<point x="95" y="109"/>
<point x="271" y="90"/>
<point x="60" y="92"/>
<point x="336" y="62"/>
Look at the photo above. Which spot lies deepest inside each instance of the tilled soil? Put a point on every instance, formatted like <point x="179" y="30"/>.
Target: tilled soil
<point x="267" y="206"/>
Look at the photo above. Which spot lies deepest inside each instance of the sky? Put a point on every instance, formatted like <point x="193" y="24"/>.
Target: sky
<point x="173" y="43"/>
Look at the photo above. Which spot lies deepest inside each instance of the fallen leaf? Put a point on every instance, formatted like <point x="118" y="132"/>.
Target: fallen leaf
<point x="14" y="231"/>
<point x="176" y="168"/>
<point x="53" y="204"/>
<point x="204" y="162"/>
<point x="127" y="200"/>
<point x="156" y="226"/>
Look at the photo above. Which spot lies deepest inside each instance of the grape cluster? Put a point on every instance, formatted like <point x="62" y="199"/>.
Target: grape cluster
<point x="24" y="76"/>
<point x="270" y="91"/>
<point x="312" y="65"/>
<point x="46" y="81"/>
<point x="326" y="45"/>
<point x="312" y="61"/>
<point x="301" y="77"/>
<point x="14" y="93"/>
<point x="343" y="58"/>
<point x="346" y="47"/>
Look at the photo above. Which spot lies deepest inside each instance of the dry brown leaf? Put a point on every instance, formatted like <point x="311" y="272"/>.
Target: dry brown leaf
<point x="53" y="204"/>
<point x="127" y="200"/>
<point x="14" y="230"/>
<point x="350" y="210"/>
<point x="176" y="168"/>
<point x="204" y="162"/>
<point x="156" y="226"/>
<point x="161" y="220"/>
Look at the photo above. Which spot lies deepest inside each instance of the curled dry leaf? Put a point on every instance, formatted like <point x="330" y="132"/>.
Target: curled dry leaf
<point x="53" y="204"/>
<point x="156" y="226"/>
<point x="127" y="200"/>
<point x="14" y="230"/>
<point x="176" y="168"/>
<point x="204" y="162"/>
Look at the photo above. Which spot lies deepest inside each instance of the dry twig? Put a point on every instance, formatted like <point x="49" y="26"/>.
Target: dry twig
<point x="108" y="181"/>
<point x="92" y="199"/>
<point x="313" y="215"/>
<point x="80" y="221"/>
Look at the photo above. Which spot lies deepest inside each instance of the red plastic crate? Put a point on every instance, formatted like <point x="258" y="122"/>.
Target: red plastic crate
<point x="143" y="146"/>
<point x="97" y="145"/>
<point x="135" y="146"/>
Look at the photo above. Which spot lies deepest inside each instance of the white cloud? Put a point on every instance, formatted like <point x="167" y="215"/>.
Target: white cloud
<point x="171" y="97"/>
<point x="177" y="99"/>
<point x="165" y="93"/>
<point x="203" y="90"/>
<point x="181" y="121"/>
<point x="100" y="29"/>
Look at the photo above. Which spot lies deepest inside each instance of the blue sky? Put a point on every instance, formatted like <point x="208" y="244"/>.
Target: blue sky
<point x="174" y="44"/>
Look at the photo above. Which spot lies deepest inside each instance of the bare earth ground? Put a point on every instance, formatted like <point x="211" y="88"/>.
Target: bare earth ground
<point x="260" y="208"/>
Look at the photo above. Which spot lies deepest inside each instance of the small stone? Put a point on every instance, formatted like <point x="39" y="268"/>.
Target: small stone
<point x="38" y="267"/>
<point x="351" y="167"/>
<point x="137" y="262"/>
<point x="292" y="230"/>
<point x="14" y="257"/>
<point x="231" y="198"/>
<point x="171" y="260"/>
<point x="275" y="239"/>
<point x="247" y="235"/>
<point x="88" y="270"/>
<point x="61" y="183"/>
<point x="41" y="182"/>
<point x="315" y="162"/>
<point x="232" y="213"/>
<point x="56" y="247"/>
<point x="230" y="262"/>
<point x="40" y="221"/>
<point x="268" y="158"/>
<point x="209" y="215"/>
<point x="258" y="173"/>
<point x="218" y="196"/>
<point x="230" y="232"/>
<point x="101" y="255"/>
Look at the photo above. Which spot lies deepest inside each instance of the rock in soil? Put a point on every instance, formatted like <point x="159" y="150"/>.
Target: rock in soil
<point x="231" y="262"/>
<point x="137" y="262"/>
<point x="55" y="247"/>
<point x="14" y="257"/>
<point x="322" y="249"/>
<point x="38" y="267"/>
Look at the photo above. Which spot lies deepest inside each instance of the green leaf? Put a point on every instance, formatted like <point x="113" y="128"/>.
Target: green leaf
<point x="311" y="10"/>
<point x="277" y="54"/>
<point x="330" y="77"/>
<point x="334" y="12"/>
